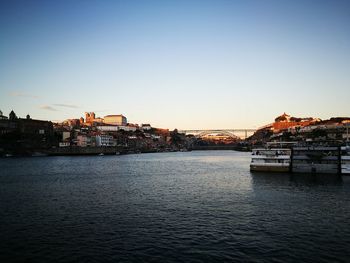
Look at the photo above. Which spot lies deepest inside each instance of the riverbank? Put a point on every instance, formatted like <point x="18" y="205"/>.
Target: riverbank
<point x="222" y="147"/>
<point x="85" y="151"/>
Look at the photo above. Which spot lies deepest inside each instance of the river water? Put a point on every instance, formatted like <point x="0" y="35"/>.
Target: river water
<point x="202" y="206"/>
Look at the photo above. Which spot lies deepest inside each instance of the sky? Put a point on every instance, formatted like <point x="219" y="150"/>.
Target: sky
<point x="176" y="64"/>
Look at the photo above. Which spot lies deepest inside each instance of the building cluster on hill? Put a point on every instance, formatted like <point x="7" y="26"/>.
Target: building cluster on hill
<point x="25" y="136"/>
<point x="22" y="135"/>
<point x="114" y="130"/>
<point x="287" y="128"/>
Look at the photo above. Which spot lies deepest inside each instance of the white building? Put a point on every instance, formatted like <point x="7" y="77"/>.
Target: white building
<point x="127" y="128"/>
<point x="108" y="128"/>
<point x="114" y="128"/>
<point x="105" y="140"/>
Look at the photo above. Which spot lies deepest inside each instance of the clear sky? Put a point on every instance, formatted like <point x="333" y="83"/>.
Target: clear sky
<point x="176" y="64"/>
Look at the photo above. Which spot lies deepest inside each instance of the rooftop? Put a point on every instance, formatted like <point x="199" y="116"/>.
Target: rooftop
<point x="116" y="115"/>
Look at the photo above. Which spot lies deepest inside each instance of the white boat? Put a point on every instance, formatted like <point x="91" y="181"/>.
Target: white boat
<point x="345" y="160"/>
<point x="271" y="160"/>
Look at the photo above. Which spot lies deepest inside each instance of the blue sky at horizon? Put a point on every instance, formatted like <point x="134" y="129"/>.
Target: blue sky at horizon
<point x="176" y="64"/>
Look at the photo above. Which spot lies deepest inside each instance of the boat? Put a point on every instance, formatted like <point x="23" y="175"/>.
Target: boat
<point x="316" y="159"/>
<point x="271" y="160"/>
<point x="345" y="160"/>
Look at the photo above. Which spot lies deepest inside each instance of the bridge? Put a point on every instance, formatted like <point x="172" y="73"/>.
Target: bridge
<point x="234" y="133"/>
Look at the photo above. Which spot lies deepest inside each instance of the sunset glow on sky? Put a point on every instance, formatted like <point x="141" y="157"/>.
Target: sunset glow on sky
<point x="176" y="64"/>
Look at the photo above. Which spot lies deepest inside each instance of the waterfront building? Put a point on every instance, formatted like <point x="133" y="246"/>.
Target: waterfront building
<point x="18" y="134"/>
<point x="115" y="120"/>
<point x="105" y="140"/>
<point x="25" y="126"/>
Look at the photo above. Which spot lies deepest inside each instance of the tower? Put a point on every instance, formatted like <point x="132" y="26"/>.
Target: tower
<point x="12" y="115"/>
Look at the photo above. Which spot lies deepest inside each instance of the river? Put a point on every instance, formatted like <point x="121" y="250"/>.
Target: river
<point x="200" y="206"/>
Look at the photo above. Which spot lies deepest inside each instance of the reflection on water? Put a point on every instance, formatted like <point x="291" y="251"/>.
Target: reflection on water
<point x="168" y="207"/>
<point x="290" y="179"/>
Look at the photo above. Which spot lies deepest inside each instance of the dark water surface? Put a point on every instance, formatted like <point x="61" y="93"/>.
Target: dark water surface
<point x="169" y="207"/>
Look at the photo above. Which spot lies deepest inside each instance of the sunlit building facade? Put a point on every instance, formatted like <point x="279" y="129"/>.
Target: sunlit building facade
<point x="285" y="121"/>
<point x="115" y="120"/>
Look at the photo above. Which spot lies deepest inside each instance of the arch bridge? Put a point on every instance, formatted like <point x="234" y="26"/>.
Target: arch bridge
<point x="234" y="133"/>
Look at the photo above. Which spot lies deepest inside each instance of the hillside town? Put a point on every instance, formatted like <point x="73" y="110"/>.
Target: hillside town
<point x="334" y="131"/>
<point x="113" y="134"/>
<point x="25" y="136"/>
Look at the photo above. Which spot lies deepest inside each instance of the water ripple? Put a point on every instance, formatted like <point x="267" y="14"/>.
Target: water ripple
<point x="168" y="207"/>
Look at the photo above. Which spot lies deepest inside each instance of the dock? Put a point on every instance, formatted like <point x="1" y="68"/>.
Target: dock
<point x="316" y="160"/>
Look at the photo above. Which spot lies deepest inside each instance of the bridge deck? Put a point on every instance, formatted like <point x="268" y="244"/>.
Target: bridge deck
<point x="232" y="132"/>
<point x="218" y="130"/>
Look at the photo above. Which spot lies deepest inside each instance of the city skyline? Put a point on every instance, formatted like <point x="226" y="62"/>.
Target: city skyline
<point x="185" y="65"/>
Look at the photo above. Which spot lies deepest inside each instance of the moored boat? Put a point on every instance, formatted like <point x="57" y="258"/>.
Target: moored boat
<point x="316" y="159"/>
<point x="345" y="160"/>
<point x="271" y="160"/>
